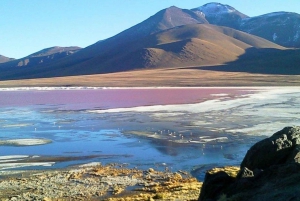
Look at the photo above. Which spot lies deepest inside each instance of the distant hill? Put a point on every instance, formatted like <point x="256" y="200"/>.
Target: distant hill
<point x="41" y="57"/>
<point x="4" y="59"/>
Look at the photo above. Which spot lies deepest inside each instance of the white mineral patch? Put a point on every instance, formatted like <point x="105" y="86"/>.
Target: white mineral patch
<point x="219" y="94"/>
<point x="15" y="125"/>
<point x="13" y="157"/>
<point x="263" y="112"/>
<point x="261" y="129"/>
<point x="25" y="142"/>
<point x="214" y="139"/>
<point x="92" y="164"/>
<point x="20" y="165"/>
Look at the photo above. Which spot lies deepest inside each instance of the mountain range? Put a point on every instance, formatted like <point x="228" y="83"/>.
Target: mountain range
<point x="212" y="34"/>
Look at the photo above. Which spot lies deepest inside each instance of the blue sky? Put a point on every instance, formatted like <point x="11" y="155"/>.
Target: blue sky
<point x="28" y="26"/>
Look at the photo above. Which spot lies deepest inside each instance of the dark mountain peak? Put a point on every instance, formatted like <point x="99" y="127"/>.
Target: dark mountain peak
<point x="173" y="17"/>
<point x="169" y="18"/>
<point x="279" y="14"/>
<point x="172" y="8"/>
<point x="54" y="50"/>
<point x="4" y="59"/>
<point x="41" y="57"/>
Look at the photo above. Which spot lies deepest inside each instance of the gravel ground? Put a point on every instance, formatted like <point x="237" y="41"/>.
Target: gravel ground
<point x="110" y="182"/>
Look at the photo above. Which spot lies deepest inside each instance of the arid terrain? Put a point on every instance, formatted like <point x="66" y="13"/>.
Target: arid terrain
<point x="111" y="182"/>
<point x="174" y="77"/>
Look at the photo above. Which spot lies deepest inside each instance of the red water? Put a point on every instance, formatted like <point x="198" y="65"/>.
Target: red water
<point x="114" y="98"/>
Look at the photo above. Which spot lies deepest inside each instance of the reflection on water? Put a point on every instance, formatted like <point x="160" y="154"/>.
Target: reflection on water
<point x="211" y="127"/>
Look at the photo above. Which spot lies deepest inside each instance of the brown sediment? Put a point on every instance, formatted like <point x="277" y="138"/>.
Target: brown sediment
<point x="186" y="77"/>
<point x="111" y="182"/>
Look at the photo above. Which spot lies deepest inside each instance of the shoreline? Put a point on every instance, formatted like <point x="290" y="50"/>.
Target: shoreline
<point x="112" y="182"/>
<point x="33" y="88"/>
<point x="188" y="77"/>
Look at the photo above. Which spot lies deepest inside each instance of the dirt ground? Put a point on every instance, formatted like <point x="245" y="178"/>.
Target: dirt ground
<point x="110" y="182"/>
<point x="172" y="77"/>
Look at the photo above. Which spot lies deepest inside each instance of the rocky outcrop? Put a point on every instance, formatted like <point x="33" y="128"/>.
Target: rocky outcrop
<point x="282" y="147"/>
<point x="269" y="171"/>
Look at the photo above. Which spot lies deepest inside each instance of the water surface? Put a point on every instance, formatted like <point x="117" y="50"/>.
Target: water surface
<point x="166" y="128"/>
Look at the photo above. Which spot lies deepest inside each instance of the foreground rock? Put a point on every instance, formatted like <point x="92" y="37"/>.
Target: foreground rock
<point x="269" y="171"/>
<point x="110" y="182"/>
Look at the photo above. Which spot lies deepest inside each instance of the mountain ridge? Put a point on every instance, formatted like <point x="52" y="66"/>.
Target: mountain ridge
<point x="280" y="27"/>
<point x="173" y="37"/>
<point x="43" y="56"/>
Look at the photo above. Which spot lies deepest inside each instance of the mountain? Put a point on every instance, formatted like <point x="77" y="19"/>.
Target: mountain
<point x="4" y="59"/>
<point x="282" y="28"/>
<point x="165" y="19"/>
<point x="41" y="57"/>
<point x="173" y="37"/>
<point x="220" y="14"/>
<point x="189" y="45"/>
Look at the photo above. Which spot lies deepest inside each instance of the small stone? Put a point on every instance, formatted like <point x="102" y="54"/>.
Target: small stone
<point x="177" y="176"/>
<point x="150" y="170"/>
<point x="245" y="173"/>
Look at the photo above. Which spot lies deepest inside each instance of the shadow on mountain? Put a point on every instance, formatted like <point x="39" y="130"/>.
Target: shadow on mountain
<point x="263" y="61"/>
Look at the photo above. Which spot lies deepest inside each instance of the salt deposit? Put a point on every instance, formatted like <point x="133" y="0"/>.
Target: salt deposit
<point x="25" y="142"/>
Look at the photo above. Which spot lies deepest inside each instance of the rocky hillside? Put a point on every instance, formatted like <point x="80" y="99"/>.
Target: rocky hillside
<point x="269" y="171"/>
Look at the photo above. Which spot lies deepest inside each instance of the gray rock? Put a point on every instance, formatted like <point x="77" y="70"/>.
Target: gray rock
<point x="282" y="147"/>
<point x="245" y="173"/>
<point x="269" y="171"/>
<point x="214" y="184"/>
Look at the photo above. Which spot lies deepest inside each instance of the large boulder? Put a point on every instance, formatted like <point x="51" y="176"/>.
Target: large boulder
<point x="282" y="147"/>
<point x="215" y="181"/>
<point x="269" y="171"/>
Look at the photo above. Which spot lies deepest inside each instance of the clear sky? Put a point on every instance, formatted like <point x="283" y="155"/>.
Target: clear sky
<point x="28" y="26"/>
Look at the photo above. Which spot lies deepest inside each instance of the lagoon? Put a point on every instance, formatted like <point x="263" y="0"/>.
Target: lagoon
<point x="190" y="129"/>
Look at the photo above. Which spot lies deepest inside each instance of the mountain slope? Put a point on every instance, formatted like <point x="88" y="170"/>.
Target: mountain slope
<point x="189" y="45"/>
<point x="281" y="27"/>
<point x="4" y="59"/>
<point x="39" y="58"/>
<point x="163" y="20"/>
